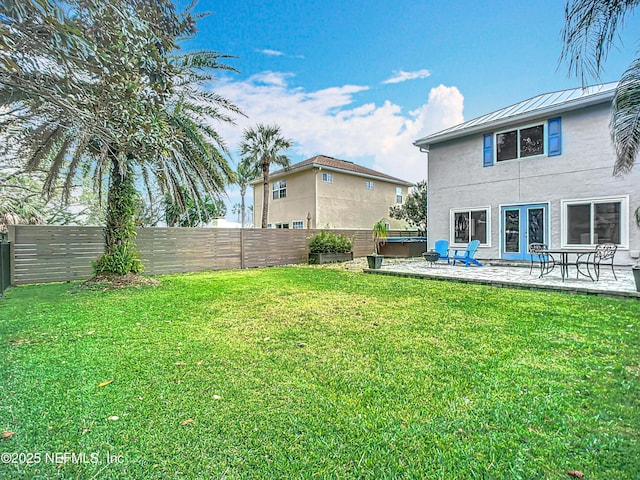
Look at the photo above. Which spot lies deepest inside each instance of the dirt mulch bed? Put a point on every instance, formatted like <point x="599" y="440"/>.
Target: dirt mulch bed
<point x="111" y="281"/>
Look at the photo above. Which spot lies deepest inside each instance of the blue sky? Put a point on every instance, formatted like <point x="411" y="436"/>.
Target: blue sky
<point x="362" y="80"/>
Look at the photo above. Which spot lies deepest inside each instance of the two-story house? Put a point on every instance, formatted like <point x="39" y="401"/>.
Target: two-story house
<point x="538" y="171"/>
<point x="324" y="192"/>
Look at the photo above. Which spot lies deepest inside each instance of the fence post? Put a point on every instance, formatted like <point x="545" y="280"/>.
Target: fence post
<point x="242" y="247"/>
<point x="12" y="252"/>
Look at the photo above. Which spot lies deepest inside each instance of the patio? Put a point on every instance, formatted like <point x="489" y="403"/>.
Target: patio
<point x="501" y="275"/>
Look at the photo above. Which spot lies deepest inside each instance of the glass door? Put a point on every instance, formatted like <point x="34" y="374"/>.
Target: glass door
<point x="522" y="225"/>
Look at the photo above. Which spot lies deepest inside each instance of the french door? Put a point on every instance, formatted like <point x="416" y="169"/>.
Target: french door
<point x="521" y="226"/>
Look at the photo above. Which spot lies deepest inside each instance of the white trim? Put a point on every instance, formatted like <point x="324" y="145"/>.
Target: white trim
<point x="452" y="236"/>
<point x="547" y="221"/>
<point x="624" y="218"/>
<point x="518" y="128"/>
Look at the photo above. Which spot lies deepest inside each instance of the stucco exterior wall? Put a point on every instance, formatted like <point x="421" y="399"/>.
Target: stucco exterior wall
<point x="300" y="200"/>
<point x="584" y="170"/>
<point x="344" y="203"/>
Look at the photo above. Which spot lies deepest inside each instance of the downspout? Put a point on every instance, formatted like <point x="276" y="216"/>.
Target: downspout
<point x="426" y="150"/>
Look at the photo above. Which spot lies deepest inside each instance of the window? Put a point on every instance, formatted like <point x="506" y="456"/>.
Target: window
<point x="327" y="177"/>
<point x="520" y="143"/>
<point x="470" y="225"/>
<point x="398" y="194"/>
<point x="589" y="222"/>
<point x="368" y="185"/>
<point x="523" y="142"/>
<point x="298" y="225"/>
<point x="282" y="225"/>
<point x="279" y="189"/>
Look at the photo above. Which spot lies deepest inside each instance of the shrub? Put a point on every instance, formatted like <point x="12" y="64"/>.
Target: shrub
<point x="327" y="242"/>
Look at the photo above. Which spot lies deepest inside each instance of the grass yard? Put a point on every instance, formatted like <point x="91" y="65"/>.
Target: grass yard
<point x="301" y="372"/>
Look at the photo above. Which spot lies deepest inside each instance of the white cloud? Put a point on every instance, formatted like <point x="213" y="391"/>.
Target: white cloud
<point x="273" y="53"/>
<point x="331" y="122"/>
<point x="403" y="76"/>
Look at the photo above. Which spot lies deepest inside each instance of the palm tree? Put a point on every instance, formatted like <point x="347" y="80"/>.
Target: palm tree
<point x="589" y="33"/>
<point x="261" y="146"/>
<point x="143" y="114"/>
<point x="246" y="171"/>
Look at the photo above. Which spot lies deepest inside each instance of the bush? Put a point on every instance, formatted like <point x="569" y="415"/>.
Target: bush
<point x="327" y="242"/>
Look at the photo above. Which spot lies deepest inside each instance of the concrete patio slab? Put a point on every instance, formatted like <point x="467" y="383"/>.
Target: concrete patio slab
<point x="516" y="277"/>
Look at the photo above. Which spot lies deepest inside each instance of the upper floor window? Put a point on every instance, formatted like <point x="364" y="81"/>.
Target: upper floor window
<point x="470" y="225"/>
<point x="279" y="189"/>
<point x="398" y="194"/>
<point x="533" y="140"/>
<point x="327" y="177"/>
<point x="520" y="143"/>
<point x="594" y="221"/>
<point x="368" y="185"/>
<point x="298" y="224"/>
<point x="282" y="225"/>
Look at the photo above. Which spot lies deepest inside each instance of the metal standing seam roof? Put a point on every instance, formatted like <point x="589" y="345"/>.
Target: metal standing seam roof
<point x="334" y="164"/>
<point x="546" y="103"/>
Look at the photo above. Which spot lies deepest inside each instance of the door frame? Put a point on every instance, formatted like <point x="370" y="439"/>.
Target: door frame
<point x="523" y="208"/>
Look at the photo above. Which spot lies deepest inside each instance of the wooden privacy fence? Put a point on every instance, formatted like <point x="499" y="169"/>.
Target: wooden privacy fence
<point x="60" y="253"/>
<point x="5" y="266"/>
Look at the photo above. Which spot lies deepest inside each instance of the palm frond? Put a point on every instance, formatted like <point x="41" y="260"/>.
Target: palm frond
<point x="625" y="121"/>
<point x="589" y="33"/>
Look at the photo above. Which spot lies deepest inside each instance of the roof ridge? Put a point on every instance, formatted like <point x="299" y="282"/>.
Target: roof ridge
<point x="339" y="164"/>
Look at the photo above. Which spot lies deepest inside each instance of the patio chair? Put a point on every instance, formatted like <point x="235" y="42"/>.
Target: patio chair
<point x="603" y="254"/>
<point x="467" y="255"/>
<point x="442" y="247"/>
<point x="545" y="260"/>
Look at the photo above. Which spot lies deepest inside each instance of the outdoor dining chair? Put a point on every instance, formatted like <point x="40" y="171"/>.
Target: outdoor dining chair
<point x="603" y="255"/>
<point x="545" y="261"/>
<point x="467" y="255"/>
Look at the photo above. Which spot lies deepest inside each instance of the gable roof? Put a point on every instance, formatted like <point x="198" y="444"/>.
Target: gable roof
<point x="326" y="163"/>
<point x="545" y="104"/>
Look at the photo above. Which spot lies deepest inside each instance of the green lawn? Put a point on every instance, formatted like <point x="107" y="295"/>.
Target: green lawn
<point x="301" y="372"/>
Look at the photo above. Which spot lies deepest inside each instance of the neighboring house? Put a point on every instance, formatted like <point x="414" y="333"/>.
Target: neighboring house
<point x="538" y="171"/>
<point x="324" y="192"/>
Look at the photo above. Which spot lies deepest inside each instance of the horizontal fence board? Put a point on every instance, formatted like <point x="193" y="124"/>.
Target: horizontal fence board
<point x="45" y="253"/>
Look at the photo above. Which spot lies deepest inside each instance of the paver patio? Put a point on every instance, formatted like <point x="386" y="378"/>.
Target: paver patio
<point x="511" y="276"/>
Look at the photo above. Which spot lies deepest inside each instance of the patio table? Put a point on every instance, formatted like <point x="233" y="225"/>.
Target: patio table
<point x="564" y="260"/>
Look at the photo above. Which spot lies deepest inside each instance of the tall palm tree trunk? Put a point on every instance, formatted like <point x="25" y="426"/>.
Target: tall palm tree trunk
<point x="120" y="254"/>
<point x="243" y="192"/>
<point x="265" y="194"/>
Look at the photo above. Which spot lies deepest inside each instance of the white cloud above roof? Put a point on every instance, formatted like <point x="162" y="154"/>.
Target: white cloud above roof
<point x="331" y="122"/>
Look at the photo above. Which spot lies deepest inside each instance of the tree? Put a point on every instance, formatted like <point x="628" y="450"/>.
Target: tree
<point x="247" y="170"/>
<point x="193" y="214"/>
<point x="414" y="209"/>
<point x="262" y="147"/>
<point x="21" y="201"/>
<point x="590" y="31"/>
<point x="120" y="104"/>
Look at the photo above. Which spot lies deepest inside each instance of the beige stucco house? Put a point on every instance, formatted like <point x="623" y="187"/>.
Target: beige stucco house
<point x="324" y="192"/>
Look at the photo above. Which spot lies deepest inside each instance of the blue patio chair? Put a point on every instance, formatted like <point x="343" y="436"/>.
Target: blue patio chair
<point x="467" y="255"/>
<point x="442" y="247"/>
